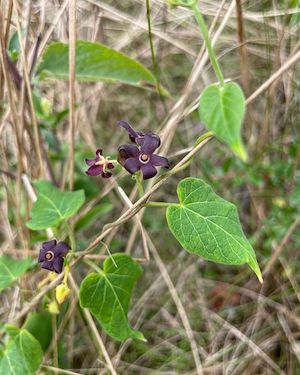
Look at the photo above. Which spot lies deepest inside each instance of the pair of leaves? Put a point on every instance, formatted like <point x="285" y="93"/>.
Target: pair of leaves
<point x="107" y="295"/>
<point x="53" y="206"/>
<point x="209" y="226"/>
<point x="94" y="62"/>
<point x="11" y="269"/>
<point x="222" y="109"/>
<point x="22" y="354"/>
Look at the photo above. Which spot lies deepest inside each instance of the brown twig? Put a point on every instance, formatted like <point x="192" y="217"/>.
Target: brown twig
<point x="72" y="57"/>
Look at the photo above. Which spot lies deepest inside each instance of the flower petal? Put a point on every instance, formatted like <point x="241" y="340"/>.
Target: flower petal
<point x="98" y="152"/>
<point x="110" y="166"/>
<point x="149" y="143"/>
<point x="148" y="171"/>
<point x="106" y="174"/>
<point x="91" y="162"/>
<point x="58" y="264"/>
<point x="133" y="139"/>
<point x="132" y="165"/>
<point x="94" y="170"/>
<point x="126" y="126"/>
<point x="48" y="265"/>
<point x="61" y="249"/>
<point x="130" y="150"/>
<point x="159" y="161"/>
<point x="156" y="136"/>
<point x="48" y="245"/>
<point x="42" y="255"/>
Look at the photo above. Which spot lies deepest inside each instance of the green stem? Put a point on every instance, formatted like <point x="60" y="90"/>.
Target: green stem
<point x="139" y="181"/>
<point x="209" y="47"/>
<point x="203" y="137"/>
<point x="92" y="265"/>
<point x="161" y="204"/>
<point x="154" y="62"/>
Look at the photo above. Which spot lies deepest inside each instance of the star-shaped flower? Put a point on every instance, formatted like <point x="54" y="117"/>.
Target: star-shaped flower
<point x="99" y="165"/>
<point x="52" y="255"/>
<point x="141" y="156"/>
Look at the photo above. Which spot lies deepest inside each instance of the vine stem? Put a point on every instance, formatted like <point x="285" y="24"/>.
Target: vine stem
<point x="139" y="183"/>
<point x="154" y="62"/>
<point x="93" y="265"/>
<point x="209" y="47"/>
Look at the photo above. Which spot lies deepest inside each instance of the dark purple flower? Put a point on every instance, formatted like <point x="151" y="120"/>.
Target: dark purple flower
<point x="99" y="165"/>
<point x="52" y="255"/>
<point x="134" y="158"/>
<point x="137" y="137"/>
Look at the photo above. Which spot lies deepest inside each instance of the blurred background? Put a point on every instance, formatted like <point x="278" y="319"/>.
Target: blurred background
<point x="186" y="307"/>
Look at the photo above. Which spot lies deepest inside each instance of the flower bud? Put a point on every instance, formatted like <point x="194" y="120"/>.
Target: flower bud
<point x="53" y="308"/>
<point x="62" y="291"/>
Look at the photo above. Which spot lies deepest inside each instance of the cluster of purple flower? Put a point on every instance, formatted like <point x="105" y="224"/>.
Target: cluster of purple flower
<point x="133" y="157"/>
<point x="138" y="156"/>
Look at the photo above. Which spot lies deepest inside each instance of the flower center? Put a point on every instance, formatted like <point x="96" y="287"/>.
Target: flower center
<point x="49" y="255"/>
<point x="103" y="161"/>
<point x="144" y="158"/>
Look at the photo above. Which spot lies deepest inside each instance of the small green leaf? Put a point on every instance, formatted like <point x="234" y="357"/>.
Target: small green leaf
<point x="209" y="226"/>
<point x="94" y="62"/>
<point x="222" y="110"/>
<point x="107" y="294"/>
<point x="11" y="269"/>
<point x="22" y="355"/>
<point x="53" y="206"/>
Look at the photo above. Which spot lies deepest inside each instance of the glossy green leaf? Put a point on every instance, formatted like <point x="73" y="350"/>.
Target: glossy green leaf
<point x="107" y="294"/>
<point x="11" y="269"/>
<point x="53" y="205"/>
<point x="222" y="110"/>
<point x="22" y="354"/>
<point x="94" y="62"/>
<point x="209" y="226"/>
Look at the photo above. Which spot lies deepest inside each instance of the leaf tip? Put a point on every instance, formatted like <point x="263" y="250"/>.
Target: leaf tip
<point x="240" y="151"/>
<point x="255" y="268"/>
<point x="138" y="335"/>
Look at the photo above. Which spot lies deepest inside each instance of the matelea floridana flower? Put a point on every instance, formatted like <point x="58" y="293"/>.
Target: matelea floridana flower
<point x="52" y="255"/>
<point x="99" y="165"/>
<point x="134" y="135"/>
<point x="134" y="158"/>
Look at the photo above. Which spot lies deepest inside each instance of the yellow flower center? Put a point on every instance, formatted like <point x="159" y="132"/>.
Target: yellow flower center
<point x="144" y="158"/>
<point x="49" y="255"/>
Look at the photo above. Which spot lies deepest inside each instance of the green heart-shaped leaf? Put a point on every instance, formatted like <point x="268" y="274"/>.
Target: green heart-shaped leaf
<point x="94" y="62"/>
<point x="222" y="109"/>
<point x="53" y="206"/>
<point x="22" y="354"/>
<point x="209" y="226"/>
<point x="107" y="294"/>
<point x="11" y="269"/>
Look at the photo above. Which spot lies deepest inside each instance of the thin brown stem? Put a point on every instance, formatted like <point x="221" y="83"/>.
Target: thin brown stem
<point x="72" y="57"/>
